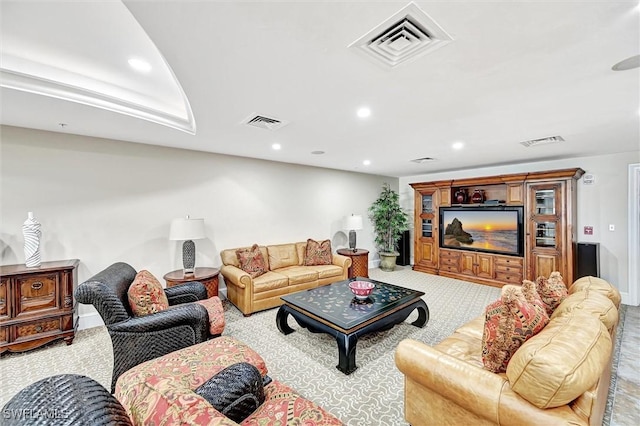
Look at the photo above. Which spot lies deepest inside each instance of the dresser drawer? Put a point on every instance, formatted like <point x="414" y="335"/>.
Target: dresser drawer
<point x="508" y="262"/>
<point x="450" y="268"/>
<point x="511" y="269"/>
<point x="37" y="292"/>
<point x="34" y="329"/>
<point x="507" y="277"/>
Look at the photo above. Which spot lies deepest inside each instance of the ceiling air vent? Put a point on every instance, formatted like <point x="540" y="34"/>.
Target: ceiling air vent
<point x="423" y="160"/>
<point x="264" y="122"/>
<point x="406" y="35"/>
<point x="543" y="141"/>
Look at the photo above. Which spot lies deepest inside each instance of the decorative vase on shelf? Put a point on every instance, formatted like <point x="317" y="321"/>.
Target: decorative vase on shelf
<point x="460" y="196"/>
<point x="32" y="233"/>
<point x="477" y="196"/>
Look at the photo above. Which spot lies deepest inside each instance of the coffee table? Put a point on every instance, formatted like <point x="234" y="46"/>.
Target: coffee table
<point x="333" y="309"/>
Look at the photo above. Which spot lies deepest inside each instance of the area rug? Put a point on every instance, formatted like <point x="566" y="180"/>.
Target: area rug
<point x="373" y="394"/>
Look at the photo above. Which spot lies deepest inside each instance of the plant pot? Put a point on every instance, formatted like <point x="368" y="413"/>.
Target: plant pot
<point x="388" y="261"/>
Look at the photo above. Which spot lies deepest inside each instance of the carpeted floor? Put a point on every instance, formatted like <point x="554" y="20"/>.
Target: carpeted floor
<point x="373" y="394"/>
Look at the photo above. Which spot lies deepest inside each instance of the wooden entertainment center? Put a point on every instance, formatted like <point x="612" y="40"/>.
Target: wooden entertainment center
<point x="548" y="200"/>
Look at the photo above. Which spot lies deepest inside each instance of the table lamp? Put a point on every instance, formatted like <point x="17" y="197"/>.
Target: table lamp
<point x="187" y="229"/>
<point x="352" y="223"/>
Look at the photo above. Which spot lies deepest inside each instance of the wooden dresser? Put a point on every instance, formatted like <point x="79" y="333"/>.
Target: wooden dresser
<point x="36" y="305"/>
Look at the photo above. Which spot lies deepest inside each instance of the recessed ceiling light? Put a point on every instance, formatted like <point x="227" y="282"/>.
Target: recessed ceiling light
<point x="366" y="162"/>
<point x="276" y="146"/>
<point x="140" y="65"/>
<point x="457" y="145"/>
<point x="364" y="112"/>
<point x="317" y="152"/>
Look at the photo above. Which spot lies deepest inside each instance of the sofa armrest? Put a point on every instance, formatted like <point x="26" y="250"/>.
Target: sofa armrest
<point x="472" y="388"/>
<point x="342" y="261"/>
<point x="236" y="276"/>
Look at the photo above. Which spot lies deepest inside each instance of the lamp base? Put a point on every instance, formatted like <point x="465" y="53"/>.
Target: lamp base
<point x="352" y="240"/>
<point x="188" y="256"/>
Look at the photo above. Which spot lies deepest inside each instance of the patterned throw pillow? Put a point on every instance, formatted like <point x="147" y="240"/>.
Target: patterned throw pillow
<point x="552" y="291"/>
<point x="509" y="322"/>
<point x="251" y="261"/>
<point x="318" y="253"/>
<point x="146" y="295"/>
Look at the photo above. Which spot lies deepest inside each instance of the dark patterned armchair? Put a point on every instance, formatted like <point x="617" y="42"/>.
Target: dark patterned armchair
<point x="139" y="339"/>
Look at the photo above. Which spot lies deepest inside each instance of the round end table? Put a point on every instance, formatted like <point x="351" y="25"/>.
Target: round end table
<point x="359" y="262"/>
<point x="207" y="276"/>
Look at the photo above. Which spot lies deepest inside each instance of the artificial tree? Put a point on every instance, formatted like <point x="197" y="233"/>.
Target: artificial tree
<point x="389" y="222"/>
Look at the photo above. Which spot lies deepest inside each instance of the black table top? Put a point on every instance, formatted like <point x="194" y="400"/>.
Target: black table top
<point x="336" y="303"/>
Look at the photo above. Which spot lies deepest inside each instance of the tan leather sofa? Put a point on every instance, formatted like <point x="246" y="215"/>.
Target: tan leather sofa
<point x="286" y="274"/>
<point x="559" y="376"/>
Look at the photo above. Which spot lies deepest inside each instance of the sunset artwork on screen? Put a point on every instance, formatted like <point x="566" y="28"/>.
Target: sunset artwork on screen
<point x="491" y="230"/>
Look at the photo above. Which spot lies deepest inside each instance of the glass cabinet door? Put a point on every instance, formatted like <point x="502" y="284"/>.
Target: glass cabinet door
<point x="545" y="200"/>
<point x="427" y="228"/>
<point x="427" y="203"/>
<point x="545" y="234"/>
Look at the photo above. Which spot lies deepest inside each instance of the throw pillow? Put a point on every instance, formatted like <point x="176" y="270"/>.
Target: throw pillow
<point x="552" y="291"/>
<point x="237" y="391"/>
<point x="251" y="261"/>
<point x="146" y="295"/>
<point x="318" y="253"/>
<point x="509" y="322"/>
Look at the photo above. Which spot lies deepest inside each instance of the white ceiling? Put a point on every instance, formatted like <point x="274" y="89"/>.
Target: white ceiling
<point x="515" y="71"/>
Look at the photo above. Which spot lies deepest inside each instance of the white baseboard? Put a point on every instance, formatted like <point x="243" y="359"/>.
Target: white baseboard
<point x="627" y="299"/>
<point x="89" y="321"/>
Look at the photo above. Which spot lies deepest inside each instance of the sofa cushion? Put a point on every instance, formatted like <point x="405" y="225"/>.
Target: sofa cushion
<point x="146" y="295"/>
<point x="596" y="304"/>
<point x="236" y="391"/>
<point x="251" y="261"/>
<point x="326" y="271"/>
<point x="269" y="281"/>
<point x="562" y="362"/>
<point x="552" y="290"/>
<point x="509" y="322"/>
<point x="282" y="255"/>
<point x="318" y="253"/>
<point x="299" y="274"/>
<point x="597" y="285"/>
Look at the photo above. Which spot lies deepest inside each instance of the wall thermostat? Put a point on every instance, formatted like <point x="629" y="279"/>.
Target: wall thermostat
<point x="589" y="179"/>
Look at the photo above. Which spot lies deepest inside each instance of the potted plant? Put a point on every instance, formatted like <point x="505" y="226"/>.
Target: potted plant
<point x="389" y="222"/>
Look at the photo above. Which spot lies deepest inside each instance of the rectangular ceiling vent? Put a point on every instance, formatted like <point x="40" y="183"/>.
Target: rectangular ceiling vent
<point x="403" y="37"/>
<point x="264" y="122"/>
<point x="543" y="141"/>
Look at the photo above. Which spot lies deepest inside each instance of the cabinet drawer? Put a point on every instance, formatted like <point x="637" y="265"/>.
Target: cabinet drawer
<point x="511" y="269"/>
<point x="507" y="277"/>
<point x="454" y="261"/>
<point x="36" y="328"/>
<point x="450" y="268"/>
<point x="508" y="262"/>
<point x="37" y="292"/>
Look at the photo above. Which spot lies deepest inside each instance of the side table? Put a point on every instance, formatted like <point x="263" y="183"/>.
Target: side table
<point x="359" y="262"/>
<point x="207" y="276"/>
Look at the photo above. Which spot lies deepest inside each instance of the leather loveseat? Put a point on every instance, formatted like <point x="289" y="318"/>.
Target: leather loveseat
<point x="559" y="376"/>
<point x="286" y="273"/>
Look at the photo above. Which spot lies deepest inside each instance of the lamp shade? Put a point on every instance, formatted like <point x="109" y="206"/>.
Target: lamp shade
<point x="353" y="222"/>
<point x="184" y="229"/>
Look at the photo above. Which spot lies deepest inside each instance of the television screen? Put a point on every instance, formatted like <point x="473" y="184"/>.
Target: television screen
<point x="489" y="229"/>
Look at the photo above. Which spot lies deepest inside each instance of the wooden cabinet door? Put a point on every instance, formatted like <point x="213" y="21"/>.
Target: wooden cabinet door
<point x="484" y="265"/>
<point x="426" y="230"/>
<point x="37" y="293"/>
<point x="467" y="263"/>
<point x="5" y="298"/>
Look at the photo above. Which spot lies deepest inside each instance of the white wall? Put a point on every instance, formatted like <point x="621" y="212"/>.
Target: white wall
<point x="603" y="203"/>
<point x="103" y="201"/>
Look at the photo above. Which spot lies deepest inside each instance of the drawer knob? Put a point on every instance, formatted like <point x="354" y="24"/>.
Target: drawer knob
<point x="37" y="285"/>
<point x="39" y="328"/>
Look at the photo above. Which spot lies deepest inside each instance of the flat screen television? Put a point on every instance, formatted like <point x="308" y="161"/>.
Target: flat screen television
<point x="491" y="229"/>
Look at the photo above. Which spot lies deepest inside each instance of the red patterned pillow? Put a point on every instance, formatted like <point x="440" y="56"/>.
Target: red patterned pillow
<point x="509" y="322"/>
<point x="251" y="261"/>
<point x="318" y="253"/>
<point x="146" y="295"/>
<point x="552" y="291"/>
